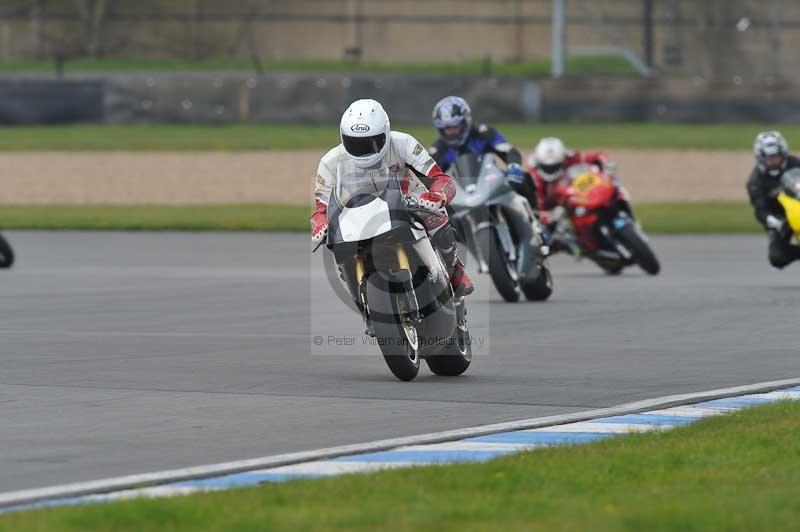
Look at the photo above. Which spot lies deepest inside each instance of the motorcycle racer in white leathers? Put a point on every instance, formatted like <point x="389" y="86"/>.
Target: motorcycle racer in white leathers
<point x="368" y="144"/>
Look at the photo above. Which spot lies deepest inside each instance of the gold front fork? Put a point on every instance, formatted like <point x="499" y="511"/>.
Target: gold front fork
<point x="402" y="263"/>
<point x="359" y="269"/>
<point x="402" y="259"/>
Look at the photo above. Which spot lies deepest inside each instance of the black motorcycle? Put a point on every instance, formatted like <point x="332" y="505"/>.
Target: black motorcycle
<point x="396" y="279"/>
<point x="499" y="229"/>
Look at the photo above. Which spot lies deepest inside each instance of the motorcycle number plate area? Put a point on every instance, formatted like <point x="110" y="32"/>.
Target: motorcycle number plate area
<point x="366" y="221"/>
<point x="584" y="182"/>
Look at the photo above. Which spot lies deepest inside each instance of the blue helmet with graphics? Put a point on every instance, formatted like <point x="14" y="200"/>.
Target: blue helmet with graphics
<point x="453" y="118"/>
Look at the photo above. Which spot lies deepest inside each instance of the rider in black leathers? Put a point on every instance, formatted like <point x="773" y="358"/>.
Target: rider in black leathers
<point x="772" y="160"/>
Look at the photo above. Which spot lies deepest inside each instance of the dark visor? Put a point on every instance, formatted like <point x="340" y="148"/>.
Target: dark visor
<point x="455" y="131"/>
<point x="361" y="146"/>
<point x="550" y="168"/>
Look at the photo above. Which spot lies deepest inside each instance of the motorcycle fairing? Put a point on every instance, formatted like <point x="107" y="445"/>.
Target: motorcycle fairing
<point x="364" y="222"/>
<point x="789" y="198"/>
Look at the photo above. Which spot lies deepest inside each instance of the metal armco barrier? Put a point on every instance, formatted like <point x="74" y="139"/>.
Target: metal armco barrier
<point x="306" y="98"/>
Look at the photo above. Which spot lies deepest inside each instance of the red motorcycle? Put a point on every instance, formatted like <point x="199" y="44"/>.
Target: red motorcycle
<point x="603" y="227"/>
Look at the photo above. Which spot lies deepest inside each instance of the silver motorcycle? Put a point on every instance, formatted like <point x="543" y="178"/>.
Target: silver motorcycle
<point x="500" y="229"/>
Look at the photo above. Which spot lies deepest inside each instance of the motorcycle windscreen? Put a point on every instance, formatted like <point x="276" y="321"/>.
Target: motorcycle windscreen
<point x="359" y="186"/>
<point x="790" y="182"/>
<point x="577" y="170"/>
<point x="467" y="168"/>
<point x="489" y="184"/>
<point x="491" y="179"/>
<point x="361" y="212"/>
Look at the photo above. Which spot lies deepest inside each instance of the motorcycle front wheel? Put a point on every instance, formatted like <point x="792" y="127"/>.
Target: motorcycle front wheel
<point x="611" y="269"/>
<point x="540" y="288"/>
<point x="396" y="335"/>
<point x="6" y="253"/>
<point x="642" y="253"/>
<point x="498" y="265"/>
<point x="456" y="357"/>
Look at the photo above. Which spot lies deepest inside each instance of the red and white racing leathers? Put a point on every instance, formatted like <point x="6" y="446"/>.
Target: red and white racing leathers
<point x="551" y="194"/>
<point x="407" y="160"/>
<point x="419" y="176"/>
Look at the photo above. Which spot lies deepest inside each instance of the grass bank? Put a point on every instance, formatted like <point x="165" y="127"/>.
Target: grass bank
<point x="735" y="472"/>
<point x="657" y="218"/>
<point x="292" y="137"/>
<point x="245" y="217"/>
<point x="576" y="66"/>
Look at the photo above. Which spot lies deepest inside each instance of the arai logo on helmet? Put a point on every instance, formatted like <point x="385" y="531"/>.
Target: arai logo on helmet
<point x="359" y="128"/>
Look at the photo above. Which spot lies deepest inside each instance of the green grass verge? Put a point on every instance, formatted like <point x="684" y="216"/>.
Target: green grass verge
<point x="577" y="66"/>
<point x="664" y="218"/>
<point x="735" y="472"/>
<point x="246" y="217"/>
<point x="291" y="137"/>
<point x="699" y="217"/>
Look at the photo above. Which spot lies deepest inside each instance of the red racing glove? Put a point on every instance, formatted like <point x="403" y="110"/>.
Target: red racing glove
<point x="319" y="223"/>
<point x="432" y="201"/>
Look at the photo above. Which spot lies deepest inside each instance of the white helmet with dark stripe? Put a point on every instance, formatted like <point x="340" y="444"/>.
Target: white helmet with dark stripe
<point x="771" y="151"/>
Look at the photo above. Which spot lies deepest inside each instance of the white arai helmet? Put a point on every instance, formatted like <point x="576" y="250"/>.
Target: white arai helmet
<point x="549" y="158"/>
<point x="365" y="132"/>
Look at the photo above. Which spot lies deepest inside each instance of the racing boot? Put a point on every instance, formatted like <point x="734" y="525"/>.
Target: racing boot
<point x="445" y="241"/>
<point x="460" y="280"/>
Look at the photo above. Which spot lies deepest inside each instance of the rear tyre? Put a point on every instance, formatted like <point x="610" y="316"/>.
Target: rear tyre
<point x="456" y="358"/>
<point x="541" y="288"/>
<point x="6" y="253"/>
<point x="642" y="253"/>
<point x="396" y="334"/>
<point x="498" y="265"/>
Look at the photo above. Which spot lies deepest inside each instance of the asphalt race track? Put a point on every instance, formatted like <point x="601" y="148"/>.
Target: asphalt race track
<point x="127" y="353"/>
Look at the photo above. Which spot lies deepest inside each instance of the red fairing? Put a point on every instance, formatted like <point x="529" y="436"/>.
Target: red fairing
<point x="584" y="227"/>
<point x="319" y="217"/>
<point x="584" y="201"/>
<point x="442" y="183"/>
<point x="601" y="193"/>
